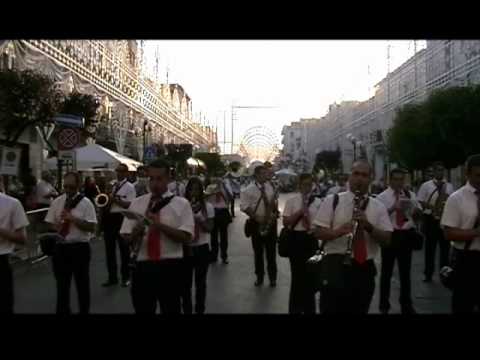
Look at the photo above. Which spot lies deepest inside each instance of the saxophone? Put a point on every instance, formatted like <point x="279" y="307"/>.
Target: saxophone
<point x="271" y="214"/>
<point x="136" y="242"/>
<point x="439" y="205"/>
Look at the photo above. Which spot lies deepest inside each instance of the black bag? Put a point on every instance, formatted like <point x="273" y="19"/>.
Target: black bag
<point x="249" y="227"/>
<point x="325" y="269"/>
<point x="48" y="241"/>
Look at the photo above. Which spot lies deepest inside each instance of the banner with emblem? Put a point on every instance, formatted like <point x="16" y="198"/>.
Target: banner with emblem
<point x="10" y="161"/>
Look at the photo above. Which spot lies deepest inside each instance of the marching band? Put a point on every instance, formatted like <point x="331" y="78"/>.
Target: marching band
<point x="169" y="234"/>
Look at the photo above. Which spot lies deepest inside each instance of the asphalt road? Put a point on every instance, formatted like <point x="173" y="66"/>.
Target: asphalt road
<point x="230" y="290"/>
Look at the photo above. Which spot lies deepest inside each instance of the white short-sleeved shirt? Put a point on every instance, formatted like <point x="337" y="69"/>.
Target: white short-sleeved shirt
<point x="83" y="211"/>
<point x="127" y="193"/>
<point x="250" y="196"/>
<point x="220" y="203"/>
<point x="428" y="190"/>
<point x="388" y="199"/>
<point x="203" y="237"/>
<point x="461" y="212"/>
<point x="43" y="189"/>
<point x="336" y="189"/>
<point x="177" y="214"/>
<point x="12" y="218"/>
<point x="376" y="214"/>
<point x="295" y="203"/>
<point x="177" y="188"/>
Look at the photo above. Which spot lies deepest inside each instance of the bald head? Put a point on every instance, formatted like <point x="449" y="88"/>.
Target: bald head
<point x="360" y="176"/>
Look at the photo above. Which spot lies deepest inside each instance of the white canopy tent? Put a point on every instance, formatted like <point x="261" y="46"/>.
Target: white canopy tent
<point x="95" y="156"/>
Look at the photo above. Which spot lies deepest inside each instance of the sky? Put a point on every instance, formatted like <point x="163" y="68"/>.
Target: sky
<point x="299" y="78"/>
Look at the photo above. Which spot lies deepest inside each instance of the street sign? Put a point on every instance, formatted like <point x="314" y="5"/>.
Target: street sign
<point x="68" y="159"/>
<point x="69" y="120"/>
<point x="68" y="138"/>
<point x="10" y="161"/>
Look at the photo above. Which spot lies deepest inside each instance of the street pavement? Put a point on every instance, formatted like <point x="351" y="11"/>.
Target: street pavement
<point x="230" y="288"/>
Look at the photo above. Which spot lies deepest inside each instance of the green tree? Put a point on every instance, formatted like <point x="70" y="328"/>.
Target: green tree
<point x="27" y="98"/>
<point x="444" y="128"/>
<point x="328" y="160"/>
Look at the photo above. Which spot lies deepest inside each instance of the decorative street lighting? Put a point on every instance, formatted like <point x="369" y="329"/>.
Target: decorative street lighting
<point x="355" y="142"/>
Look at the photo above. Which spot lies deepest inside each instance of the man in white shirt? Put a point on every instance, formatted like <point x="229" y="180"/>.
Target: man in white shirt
<point x="122" y="195"/>
<point x="158" y="275"/>
<point x="141" y="185"/>
<point x="431" y="195"/>
<point x="461" y="223"/>
<point x="403" y="209"/>
<point x="175" y="185"/>
<point x="73" y="216"/>
<point x="45" y="191"/>
<point x="349" y="264"/>
<point x="299" y="212"/>
<point x="341" y="185"/>
<point x="233" y="182"/>
<point x="257" y="200"/>
<point x="13" y="223"/>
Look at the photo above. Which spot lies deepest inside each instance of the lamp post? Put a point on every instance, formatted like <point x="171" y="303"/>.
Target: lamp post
<point x="355" y="142"/>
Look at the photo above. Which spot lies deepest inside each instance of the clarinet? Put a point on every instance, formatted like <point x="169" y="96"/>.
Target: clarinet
<point x="356" y="207"/>
<point x="136" y="244"/>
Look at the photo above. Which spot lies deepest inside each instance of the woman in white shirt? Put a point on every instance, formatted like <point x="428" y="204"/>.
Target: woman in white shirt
<point x="197" y="253"/>
<point x="299" y="213"/>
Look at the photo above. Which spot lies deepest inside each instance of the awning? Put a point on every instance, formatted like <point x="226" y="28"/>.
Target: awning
<point x="95" y="156"/>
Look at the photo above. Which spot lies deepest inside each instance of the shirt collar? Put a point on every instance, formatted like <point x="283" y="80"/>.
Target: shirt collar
<point x="470" y="188"/>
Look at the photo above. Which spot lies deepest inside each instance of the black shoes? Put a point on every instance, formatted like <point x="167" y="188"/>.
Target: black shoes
<point x="273" y="283"/>
<point x="125" y="283"/>
<point x="259" y="282"/>
<point x="427" y="279"/>
<point x="225" y="261"/>
<point x="110" y="283"/>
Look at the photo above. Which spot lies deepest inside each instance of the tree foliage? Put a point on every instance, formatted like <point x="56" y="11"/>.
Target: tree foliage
<point x="27" y="98"/>
<point x="443" y="128"/>
<point x="328" y="160"/>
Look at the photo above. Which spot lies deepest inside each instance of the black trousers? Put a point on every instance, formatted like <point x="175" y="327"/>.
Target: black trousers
<point x="6" y="285"/>
<point x="72" y="260"/>
<point x="353" y="294"/>
<point x="196" y="265"/>
<point x="265" y="244"/>
<point x="220" y="228"/>
<point x="401" y="251"/>
<point x="111" y="227"/>
<point x="434" y="235"/>
<point x="466" y="290"/>
<point x="302" y="297"/>
<point x="159" y="282"/>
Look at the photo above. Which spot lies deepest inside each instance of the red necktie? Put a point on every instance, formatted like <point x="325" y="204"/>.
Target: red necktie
<point x="400" y="218"/>
<point x="360" y="245"/>
<point x="153" y="242"/>
<point x="65" y="228"/>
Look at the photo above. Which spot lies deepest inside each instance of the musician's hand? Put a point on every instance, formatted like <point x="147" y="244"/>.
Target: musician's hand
<point x="361" y="217"/>
<point x="344" y="229"/>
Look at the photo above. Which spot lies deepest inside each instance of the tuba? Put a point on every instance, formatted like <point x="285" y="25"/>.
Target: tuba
<point x="102" y="200"/>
